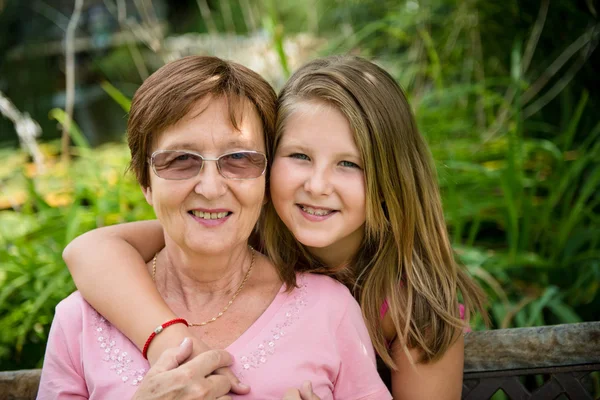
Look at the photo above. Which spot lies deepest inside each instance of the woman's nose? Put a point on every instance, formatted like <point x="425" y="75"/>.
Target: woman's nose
<point x="210" y="183"/>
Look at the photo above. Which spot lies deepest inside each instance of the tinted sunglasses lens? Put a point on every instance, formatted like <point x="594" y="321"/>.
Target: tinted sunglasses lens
<point x="176" y="164"/>
<point x="242" y="165"/>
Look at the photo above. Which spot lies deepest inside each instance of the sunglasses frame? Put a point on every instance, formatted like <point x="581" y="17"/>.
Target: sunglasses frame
<point x="153" y="166"/>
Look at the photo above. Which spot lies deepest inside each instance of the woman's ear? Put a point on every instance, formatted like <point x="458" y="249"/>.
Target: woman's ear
<point x="148" y="194"/>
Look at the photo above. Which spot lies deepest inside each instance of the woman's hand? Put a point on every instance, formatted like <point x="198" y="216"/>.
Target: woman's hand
<point x="169" y="379"/>
<point x="306" y="393"/>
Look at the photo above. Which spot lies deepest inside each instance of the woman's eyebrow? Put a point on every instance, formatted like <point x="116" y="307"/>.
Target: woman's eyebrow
<point x="195" y="146"/>
<point x="180" y="146"/>
<point x="240" y="143"/>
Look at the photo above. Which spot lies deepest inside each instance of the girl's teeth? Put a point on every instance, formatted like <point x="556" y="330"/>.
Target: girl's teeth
<point x="316" y="211"/>
<point x="207" y="215"/>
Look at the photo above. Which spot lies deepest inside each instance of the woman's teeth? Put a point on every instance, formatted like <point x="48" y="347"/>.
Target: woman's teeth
<point x="207" y="215"/>
<point x="316" y="211"/>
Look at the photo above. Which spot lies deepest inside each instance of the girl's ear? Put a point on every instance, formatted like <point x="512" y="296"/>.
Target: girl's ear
<point x="385" y="210"/>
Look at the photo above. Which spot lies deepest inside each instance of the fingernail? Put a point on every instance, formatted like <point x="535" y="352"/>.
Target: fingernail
<point x="243" y="386"/>
<point x="184" y="342"/>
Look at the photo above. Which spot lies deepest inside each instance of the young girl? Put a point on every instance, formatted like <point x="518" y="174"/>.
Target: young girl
<point x="353" y="194"/>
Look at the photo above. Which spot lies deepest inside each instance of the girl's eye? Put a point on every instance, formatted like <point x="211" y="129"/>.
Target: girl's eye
<point x="349" y="164"/>
<point x="299" y="156"/>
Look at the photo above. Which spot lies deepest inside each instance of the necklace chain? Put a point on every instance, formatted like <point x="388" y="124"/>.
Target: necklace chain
<point x="220" y="314"/>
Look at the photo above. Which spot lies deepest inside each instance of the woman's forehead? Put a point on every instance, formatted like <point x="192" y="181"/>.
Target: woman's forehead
<point x="209" y="124"/>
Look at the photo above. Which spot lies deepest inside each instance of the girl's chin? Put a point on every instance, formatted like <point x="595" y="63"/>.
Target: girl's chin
<point x="314" y="242"/>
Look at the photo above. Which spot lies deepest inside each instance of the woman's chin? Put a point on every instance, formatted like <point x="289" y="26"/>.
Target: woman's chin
<point x="208" y="247"/>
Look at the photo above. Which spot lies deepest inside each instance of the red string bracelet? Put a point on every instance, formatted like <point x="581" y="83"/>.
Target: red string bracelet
<point x="158" y="330"/>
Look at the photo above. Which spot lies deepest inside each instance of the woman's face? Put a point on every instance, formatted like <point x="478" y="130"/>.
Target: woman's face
<point x="317" y="181"/>
<point x="209" y="213"/>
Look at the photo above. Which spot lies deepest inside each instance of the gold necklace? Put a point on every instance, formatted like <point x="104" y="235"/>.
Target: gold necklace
<point x="220" y="314"/>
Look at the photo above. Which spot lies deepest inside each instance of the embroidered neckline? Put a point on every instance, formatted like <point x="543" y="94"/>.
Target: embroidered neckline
<point x="267" y="347"/>
<point x="118" y="361"/>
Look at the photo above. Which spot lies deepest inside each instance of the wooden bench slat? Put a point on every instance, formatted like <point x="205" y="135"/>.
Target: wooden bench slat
<point x="523" y="348"/>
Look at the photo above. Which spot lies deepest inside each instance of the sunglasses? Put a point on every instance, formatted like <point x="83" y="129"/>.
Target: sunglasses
<point x="180" y="164"/>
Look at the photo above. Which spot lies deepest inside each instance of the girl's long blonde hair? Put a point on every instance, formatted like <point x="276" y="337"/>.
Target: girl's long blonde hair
<point x="406" y="258"/>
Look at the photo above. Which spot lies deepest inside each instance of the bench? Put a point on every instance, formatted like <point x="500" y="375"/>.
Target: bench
<point x="524" y="363"/>
<point x="551" y="361"/>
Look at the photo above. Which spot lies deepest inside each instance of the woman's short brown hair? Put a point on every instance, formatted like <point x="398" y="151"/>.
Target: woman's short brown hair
<point x="169" y="93"/>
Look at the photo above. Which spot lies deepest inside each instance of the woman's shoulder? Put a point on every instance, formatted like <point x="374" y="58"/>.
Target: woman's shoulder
<point x="323" y="282"/>
<point x="75" y="314"/>
<point x="73" y="306"/>
<point x="329" y="291"/>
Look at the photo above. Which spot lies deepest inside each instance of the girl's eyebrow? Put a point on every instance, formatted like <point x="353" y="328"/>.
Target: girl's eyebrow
<point x="294" y="145"/>
<point x="303" y="148"/>
<point x="349" y="155"/>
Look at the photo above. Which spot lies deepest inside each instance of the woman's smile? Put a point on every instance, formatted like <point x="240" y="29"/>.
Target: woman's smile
<point x="210" y="217"/>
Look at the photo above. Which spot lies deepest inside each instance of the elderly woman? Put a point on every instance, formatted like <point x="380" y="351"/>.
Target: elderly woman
<point x="199" y="132"/>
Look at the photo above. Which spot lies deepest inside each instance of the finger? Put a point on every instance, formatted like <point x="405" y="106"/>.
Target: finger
<point x="237" y="387"/>
<point x="219" y="385"/>
<point x="292" y="394"/>
<point x="170" y="358"/>
<point x="307" y="392"/>
<point x="185" y="351"/>
<point x="224" y="398"/>
<point x="208" y="362"/>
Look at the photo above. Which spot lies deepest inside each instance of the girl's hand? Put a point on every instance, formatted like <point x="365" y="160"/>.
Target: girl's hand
<point x="175" y="334"/>
<point x="306" y="393"/>
<point x="169" y="379"/>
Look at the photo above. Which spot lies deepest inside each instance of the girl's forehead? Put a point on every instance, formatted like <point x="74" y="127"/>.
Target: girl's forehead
<point x="320" y="128"/>
<point x="312" y="107"/>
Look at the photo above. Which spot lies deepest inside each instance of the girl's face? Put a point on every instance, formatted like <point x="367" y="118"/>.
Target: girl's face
<point x="317" y="181"/>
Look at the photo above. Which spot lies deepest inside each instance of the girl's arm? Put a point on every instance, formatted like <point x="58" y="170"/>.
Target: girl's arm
<point x="441" y="379"/>
<point x="109" y="269"/>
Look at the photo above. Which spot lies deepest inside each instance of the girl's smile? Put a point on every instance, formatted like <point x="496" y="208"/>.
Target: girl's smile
<point x="315" y="214"/>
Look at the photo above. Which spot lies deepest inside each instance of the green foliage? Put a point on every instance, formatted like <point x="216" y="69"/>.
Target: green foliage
<point x="61" y="203"/>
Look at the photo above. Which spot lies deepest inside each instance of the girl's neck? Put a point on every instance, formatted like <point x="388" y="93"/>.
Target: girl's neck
<point x="341" y="252"/>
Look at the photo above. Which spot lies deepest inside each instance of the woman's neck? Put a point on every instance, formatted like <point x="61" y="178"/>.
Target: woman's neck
<point x="191" y="278"/>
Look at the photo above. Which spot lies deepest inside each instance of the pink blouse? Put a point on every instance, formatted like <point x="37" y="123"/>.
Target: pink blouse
<point x="315" y="332"/>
